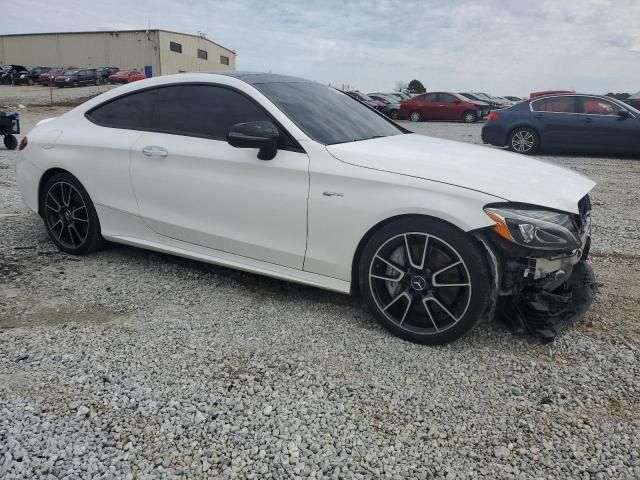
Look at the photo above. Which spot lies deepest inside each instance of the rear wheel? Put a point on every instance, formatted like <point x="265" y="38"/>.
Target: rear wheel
<point x="415" y="116"/>
<point x="394" y="114"/>
<point x="30" y="82"/>
<point x="469" y="117"/>
<point x="424" y="280"/>
<point x="524" y="140"/>
<point x="69" y="215"/>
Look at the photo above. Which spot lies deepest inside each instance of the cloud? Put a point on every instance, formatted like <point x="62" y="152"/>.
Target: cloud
<point x="500" y="46"/>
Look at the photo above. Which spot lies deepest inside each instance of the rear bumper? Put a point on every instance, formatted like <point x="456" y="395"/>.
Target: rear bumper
<point x="493" y="135"/>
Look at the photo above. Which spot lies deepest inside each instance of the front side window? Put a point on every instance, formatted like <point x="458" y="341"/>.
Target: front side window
<point x="429" y="97"/>
<point x="175" y="47"/>
<point x="561" y="104"/>
<point x="446" y="98"/>
<point x="599" y="106"/>
<point x="202" y="110"/>
<point x="327" y="115"/>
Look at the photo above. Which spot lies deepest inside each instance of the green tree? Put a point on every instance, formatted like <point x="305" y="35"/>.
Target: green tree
<point x="415" y="86"/>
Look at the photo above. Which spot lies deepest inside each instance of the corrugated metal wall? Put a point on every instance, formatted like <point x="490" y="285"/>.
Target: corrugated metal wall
<point x="125" y="50"/>
<point x="188" y="61"/>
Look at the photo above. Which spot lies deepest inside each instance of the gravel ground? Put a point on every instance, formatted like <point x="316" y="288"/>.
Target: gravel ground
<point x="133" y="364"/>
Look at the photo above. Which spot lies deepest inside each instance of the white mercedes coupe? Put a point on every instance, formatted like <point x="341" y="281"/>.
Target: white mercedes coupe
<point x="289" y="178"/>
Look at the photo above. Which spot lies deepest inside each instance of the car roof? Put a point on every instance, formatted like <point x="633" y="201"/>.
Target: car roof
<point x="253" y="78"/>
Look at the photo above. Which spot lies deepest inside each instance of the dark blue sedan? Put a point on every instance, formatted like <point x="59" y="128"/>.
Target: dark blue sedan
<point x="574" y="122"/>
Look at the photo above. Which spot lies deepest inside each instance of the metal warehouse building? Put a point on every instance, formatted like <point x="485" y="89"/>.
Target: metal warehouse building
<point x="156" y="52"/>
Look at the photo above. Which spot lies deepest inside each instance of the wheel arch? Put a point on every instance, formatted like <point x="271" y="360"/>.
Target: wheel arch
<point x="43" y="181"/>
<point x="355" y="261"/>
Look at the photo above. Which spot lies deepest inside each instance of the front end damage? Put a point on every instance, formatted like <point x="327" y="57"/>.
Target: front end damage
<point x="540" y="290"/>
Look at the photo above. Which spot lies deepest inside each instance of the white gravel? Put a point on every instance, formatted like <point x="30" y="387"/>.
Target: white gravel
<point x="132" y="364"/>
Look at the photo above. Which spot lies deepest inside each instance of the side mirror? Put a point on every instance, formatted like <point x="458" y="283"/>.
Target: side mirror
<point x="623" y="113"/>
<point x="456" y="100"/>
<point x="262" y="135"/>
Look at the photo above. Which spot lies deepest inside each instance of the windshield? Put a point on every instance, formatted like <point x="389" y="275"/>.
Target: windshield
<point x="70" y="72"/>
<point x="326" y="114"/>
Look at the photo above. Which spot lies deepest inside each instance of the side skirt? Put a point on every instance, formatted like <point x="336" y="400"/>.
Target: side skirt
<point x="216" y="257"/>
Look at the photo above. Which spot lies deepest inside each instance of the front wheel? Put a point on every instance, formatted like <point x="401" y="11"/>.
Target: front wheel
<point x="69" y="215"/>
<point x="524" y="140"/>
<point x="424" y="280"/>
<point x="415" y="116"/>
<point x="394" y="114"/>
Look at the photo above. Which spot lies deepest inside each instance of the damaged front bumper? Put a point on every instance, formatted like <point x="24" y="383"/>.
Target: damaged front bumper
<point x="537" y="292"/>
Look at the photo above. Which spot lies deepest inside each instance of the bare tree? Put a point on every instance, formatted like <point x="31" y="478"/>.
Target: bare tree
<point x="401" y="85"/>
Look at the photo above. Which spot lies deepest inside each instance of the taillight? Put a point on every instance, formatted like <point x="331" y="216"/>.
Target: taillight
<point x="23" y="143"/>
<point x="492" y="116"/>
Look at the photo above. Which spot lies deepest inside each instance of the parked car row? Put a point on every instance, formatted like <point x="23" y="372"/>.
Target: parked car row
<point x="66" y="76"/>
<point x="450" y="106"/>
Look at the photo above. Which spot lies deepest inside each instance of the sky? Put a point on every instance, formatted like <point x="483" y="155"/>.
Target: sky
<point x="502" y="47"/>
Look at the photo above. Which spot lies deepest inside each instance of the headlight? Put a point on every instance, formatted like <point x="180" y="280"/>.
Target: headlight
<point x="536" y="228"/>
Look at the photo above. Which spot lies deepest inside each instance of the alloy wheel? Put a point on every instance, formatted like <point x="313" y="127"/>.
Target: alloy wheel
<point x="66" y="215"/>
<point x="420" y="283"/>
<point x="522" y="141"/>
<point x="469" y="117"/>
<point x="415" y="116"/>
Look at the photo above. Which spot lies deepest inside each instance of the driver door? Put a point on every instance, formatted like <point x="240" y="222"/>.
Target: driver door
<point x="192" y="186"/>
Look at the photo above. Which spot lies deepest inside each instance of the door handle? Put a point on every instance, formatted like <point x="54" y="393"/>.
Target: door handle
<point x="153" y="151"/>
<point x="539" y="115"/>
<point x="587" y="120"/>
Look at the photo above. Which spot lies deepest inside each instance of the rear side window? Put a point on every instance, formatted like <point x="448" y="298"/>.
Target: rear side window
<point x="132" y="112"/>
<point x="202" y="110"/>
<point x="556" y="105"/>
<point x="599" y="106"/>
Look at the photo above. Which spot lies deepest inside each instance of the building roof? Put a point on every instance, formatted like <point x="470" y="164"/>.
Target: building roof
<point x="143" y="30"/>
<point x="635" y="96"/>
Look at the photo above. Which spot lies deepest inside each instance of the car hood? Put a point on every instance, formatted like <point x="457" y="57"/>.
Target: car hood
<point x="507" y="175"/>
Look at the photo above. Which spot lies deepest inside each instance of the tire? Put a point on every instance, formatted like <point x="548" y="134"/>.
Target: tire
<point x="11" y="142"/>
<point x="415" y="116"/>
<point x="393" y="114"/>
<point x="524" y="140"/>
<point x="75" y="84"/>
<point x="30" y="82"/>
<point x="69" y="215"/>
<point x="469" y="117"/>
<point x="408" y="296"/>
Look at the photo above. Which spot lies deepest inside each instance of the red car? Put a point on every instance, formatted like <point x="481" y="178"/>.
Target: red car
<point x="47" y="78"/>
<point x="126" y="76"/>
<point x="441" y="106"/>
<point x="549" y="92"/>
